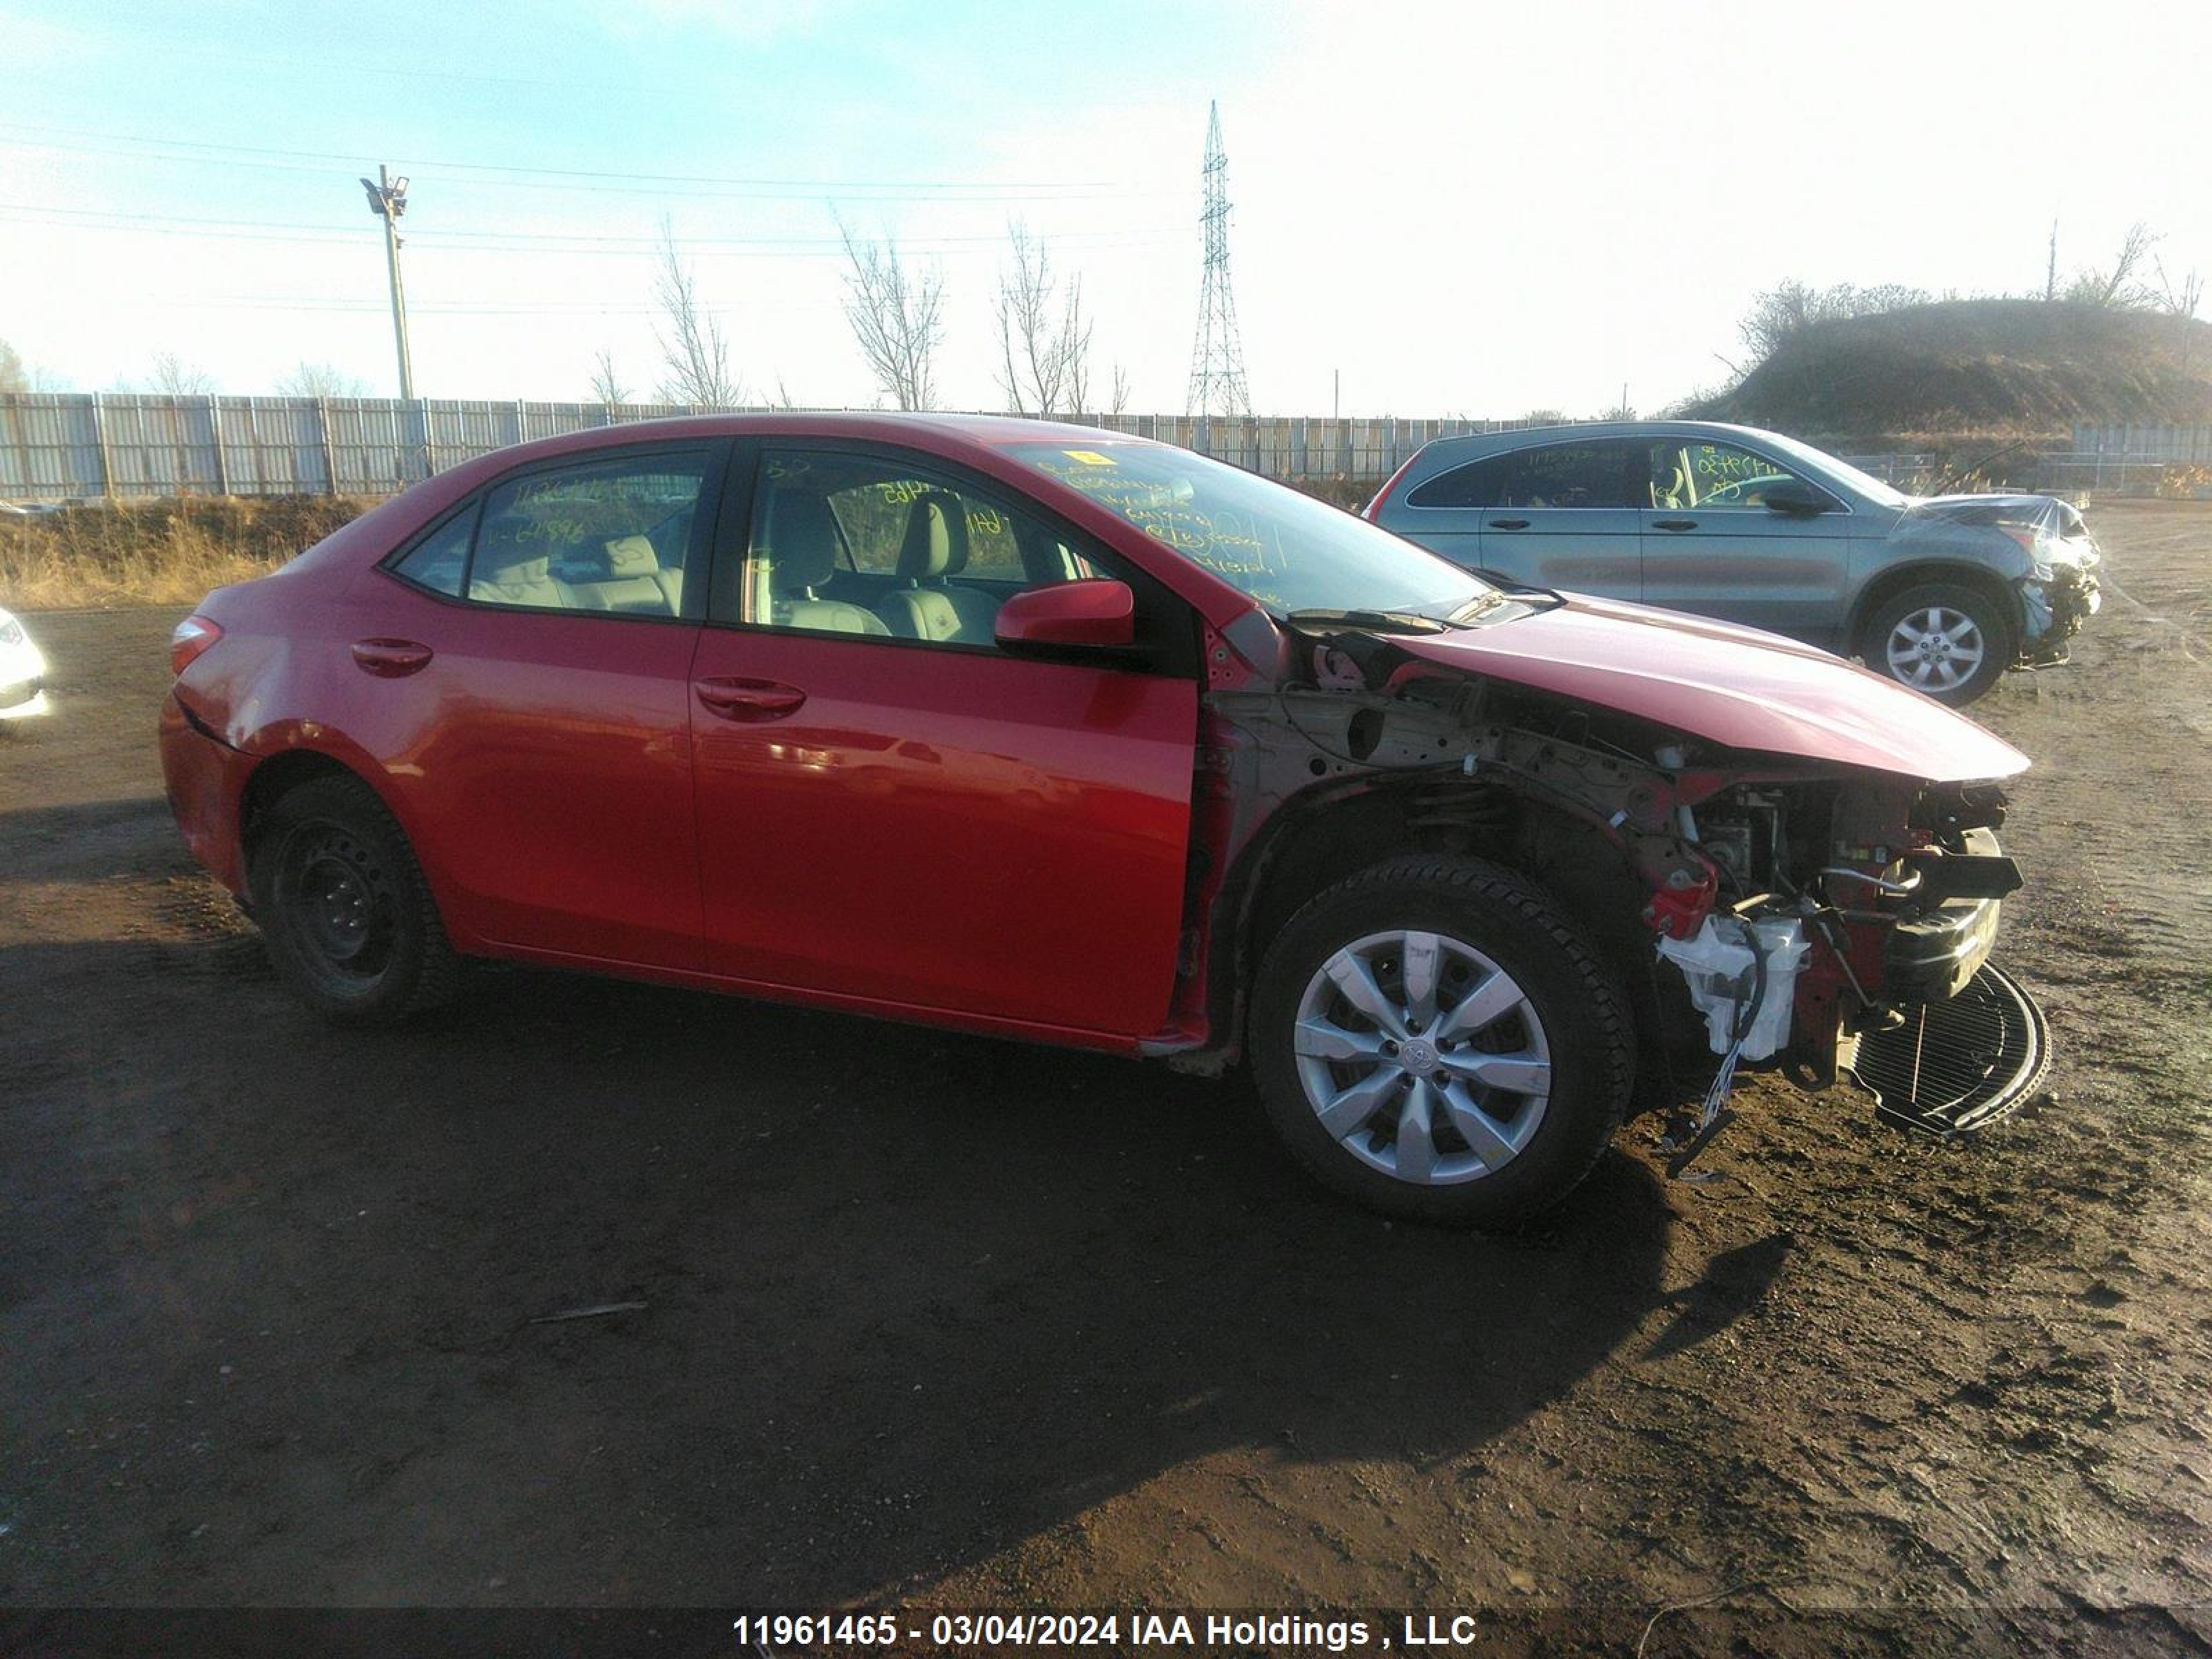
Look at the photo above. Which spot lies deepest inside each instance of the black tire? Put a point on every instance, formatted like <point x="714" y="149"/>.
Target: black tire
<point x="343" y="907"/>
<point x="1582" y="1022"/>
<point x="1998" y="643"/>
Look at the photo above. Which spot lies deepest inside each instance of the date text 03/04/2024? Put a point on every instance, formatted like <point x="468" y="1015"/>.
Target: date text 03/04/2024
<point x="1105" y="1630"/>
<point x="781" y="1631"/>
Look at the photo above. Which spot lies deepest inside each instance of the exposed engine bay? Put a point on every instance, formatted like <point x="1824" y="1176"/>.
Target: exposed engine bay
<point x="1763" y="911"/>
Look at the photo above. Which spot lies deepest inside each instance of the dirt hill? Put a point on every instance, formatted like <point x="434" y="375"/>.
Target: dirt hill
<point x="2008" y="367"/>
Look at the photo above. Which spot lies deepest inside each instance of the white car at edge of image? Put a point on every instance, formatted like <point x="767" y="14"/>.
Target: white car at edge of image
<point x="23" y="672"/>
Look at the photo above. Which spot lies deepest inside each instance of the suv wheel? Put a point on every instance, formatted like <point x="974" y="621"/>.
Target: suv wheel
<point x="1434" y="1038"/>
<point x="1948" y="640"/>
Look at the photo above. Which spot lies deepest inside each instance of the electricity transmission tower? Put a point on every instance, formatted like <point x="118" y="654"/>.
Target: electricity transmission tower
<point x="1217" y="357"/>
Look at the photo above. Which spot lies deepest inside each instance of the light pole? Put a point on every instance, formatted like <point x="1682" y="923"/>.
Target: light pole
<point x="387" y="200"/>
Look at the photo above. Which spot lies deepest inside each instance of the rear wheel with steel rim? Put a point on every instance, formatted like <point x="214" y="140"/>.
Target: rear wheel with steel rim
<point x="1434" y="1038"/>
<point x="1947" y="640"/>
<point x="344" y="909"/>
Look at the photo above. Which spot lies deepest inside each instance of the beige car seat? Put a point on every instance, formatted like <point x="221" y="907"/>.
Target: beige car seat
<point x="927" y="607"/>
<point x="514" y="565"/>
<point x="635" y="580"/>
<point x="798" y="547"/>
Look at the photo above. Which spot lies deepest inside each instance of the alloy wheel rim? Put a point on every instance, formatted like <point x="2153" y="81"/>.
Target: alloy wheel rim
<point x="1937" y="648"/>
<point x="1422" y="1058"/>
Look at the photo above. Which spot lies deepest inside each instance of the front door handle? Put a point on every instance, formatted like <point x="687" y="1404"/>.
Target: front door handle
<point x="735" y="699"/>
<point x="1674" y="523"/>
<point x="1507" y="523"/>
<point x="390" y="660"/>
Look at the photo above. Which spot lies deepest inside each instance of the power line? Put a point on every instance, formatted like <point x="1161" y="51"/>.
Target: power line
<point x="951" y="189"/>
<point x="519" y="240"/>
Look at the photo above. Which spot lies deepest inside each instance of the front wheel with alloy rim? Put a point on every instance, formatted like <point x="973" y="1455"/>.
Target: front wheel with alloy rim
<point x="1948" y="640"/>
<point x="343" y="907"/>
<point x="1434" y="1038"/>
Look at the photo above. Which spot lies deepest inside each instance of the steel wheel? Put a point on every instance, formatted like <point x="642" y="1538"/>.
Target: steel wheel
<point x="1422" y="1058"/>
<point x="337" y="901"/>
<point x="1935" y="648"/>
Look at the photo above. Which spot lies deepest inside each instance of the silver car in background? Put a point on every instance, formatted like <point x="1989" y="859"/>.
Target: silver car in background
<point x="1942" y="593"/>
<point x="23" y="672"/>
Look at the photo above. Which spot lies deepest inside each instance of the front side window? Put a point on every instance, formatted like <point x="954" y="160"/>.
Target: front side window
<point x="850" y="542"/>
<point x="608" y="535"/>
<point x="1689" y="473"/>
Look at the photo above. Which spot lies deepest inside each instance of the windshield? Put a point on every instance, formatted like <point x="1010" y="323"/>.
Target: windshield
<point x="1880" y="494"/>
<point x="1289" y="551"/>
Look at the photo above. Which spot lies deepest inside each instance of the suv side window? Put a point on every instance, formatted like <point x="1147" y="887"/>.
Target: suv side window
<point x="1689" y="472"/>
<point x="602" y="535"/>
<point x="1590" y="473"/>
<point x="1478" y="484"/>
<point x="848" y="542"/>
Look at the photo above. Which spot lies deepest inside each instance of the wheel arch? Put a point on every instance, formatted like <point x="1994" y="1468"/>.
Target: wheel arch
<point x="1333" y="831"/>
<point x="1889" y="584"/>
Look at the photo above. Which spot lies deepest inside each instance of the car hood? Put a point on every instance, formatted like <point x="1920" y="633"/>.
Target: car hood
<point x="2063" y="538"/>
<point x="1729" y="685"/>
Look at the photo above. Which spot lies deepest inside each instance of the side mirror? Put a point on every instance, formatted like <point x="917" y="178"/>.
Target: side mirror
<point x="1798" y="501"/>
<point x="1095" y="613"/>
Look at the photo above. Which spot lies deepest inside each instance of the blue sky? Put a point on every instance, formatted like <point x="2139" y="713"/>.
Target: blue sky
<point x="1465" y="208"/>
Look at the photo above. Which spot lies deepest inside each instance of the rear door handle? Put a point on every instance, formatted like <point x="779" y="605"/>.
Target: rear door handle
<point x="735" y="699"/>
<point x="1674" y="523"/>
<point x="390" y="660"/>
<point x="1506" y="523"/>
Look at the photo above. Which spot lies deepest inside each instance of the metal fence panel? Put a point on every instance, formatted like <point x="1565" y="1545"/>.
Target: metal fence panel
<point x="89" y="446"/>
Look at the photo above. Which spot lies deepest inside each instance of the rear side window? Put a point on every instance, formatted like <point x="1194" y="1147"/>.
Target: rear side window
<point x="441" y="561"/>
<point x="610" y="534"/>
<point x="1478" y="483"/>
<point x="1603" y="472"/>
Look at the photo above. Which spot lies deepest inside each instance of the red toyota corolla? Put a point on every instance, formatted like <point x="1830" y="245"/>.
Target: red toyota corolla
<point x="1053" y="733"/>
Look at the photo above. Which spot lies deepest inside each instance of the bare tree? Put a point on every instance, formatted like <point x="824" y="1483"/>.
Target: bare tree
<point x="13" y="375"/>
<point x="172" y="377"/>
<point x="321" y="380"/>
<point x="606" y="384"/>
<point x="783" y="397"/>
<point x="2118" y="286"/>
<point x="1045" y="339"/>
<point x="1780" y="311"/>
<point x="2178" y="299"/>
<point x="692" y="345"/>
<point x="1121" y="393"/>
<point x="897" y="318"/>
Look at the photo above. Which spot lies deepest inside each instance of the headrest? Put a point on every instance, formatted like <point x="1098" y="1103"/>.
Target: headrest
<point x="935" y="542"/>
<point x="631" y="556"/>
<point x="802" y="541"/>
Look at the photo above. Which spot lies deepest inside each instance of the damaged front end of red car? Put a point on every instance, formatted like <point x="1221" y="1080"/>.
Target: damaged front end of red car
<point x="1789" y="864"/>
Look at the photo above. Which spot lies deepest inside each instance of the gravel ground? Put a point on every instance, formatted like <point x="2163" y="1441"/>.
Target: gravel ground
<point x="941" y="1318"/>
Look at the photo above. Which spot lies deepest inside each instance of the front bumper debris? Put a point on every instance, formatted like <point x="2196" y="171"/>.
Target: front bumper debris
<point x="1954" y="1066"/>
<point x="2056" y="606"/>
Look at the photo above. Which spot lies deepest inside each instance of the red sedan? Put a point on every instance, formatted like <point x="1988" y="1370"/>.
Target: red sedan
<point x="1048" y="733"/>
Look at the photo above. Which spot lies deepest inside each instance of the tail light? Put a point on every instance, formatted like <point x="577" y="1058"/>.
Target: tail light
<point x="193" y="636"/>
<point x="1374" y="507"/>
<point x="2030" y="537"/>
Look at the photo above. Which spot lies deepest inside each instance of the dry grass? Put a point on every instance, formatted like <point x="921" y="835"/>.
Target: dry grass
<point x="168" y="552"/>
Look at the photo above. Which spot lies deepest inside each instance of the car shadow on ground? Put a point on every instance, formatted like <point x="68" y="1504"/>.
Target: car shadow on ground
<point x="907" y="1299"/>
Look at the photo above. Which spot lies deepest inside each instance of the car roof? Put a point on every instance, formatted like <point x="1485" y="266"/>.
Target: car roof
<point x="940" y="432"/>
<point x="1465" y="446"/>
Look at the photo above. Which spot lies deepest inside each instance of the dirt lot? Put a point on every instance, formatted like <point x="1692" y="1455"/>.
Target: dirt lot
<point x="942" y="1318"/>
